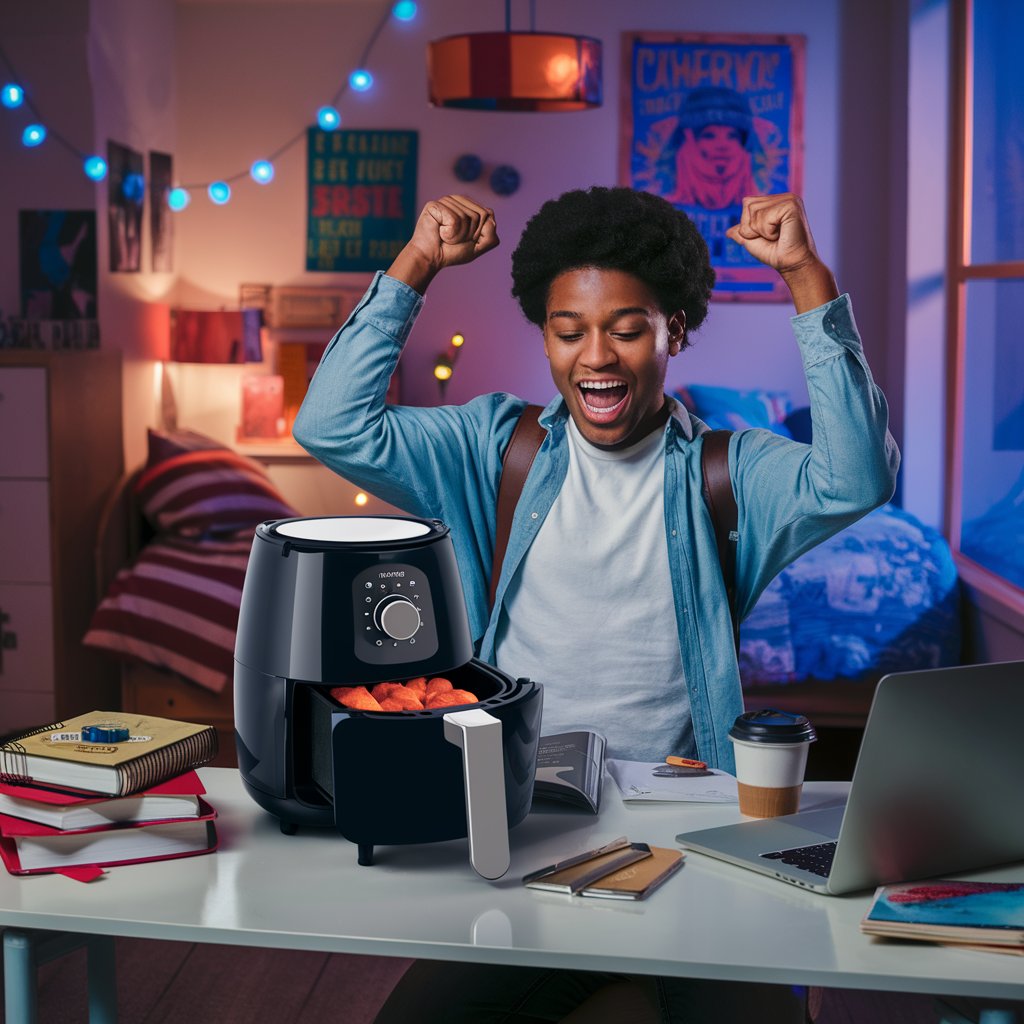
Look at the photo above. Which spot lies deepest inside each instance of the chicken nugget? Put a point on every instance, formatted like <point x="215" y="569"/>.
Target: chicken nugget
<point x="451" y="698"/>
<point x="390" y="704"/>
<point x="438" y="685"/>
<point x="417" y="686"/>
<point x="358" y="698"/>
<point x="382" y="690"/>
<point x="406" y="699"/>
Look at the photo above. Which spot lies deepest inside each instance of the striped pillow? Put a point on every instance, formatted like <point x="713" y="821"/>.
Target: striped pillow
<point x="208" y="493"/>
<point x="177" y="608"/>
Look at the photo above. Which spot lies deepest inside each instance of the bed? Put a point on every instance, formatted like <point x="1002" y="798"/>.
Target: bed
<point x="175" y="535"/>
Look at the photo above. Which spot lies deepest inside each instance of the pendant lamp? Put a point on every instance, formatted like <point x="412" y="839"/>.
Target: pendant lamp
<point x="529" y="71"/>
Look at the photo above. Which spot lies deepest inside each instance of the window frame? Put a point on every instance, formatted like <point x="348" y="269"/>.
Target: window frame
<point x="960" y="270"/>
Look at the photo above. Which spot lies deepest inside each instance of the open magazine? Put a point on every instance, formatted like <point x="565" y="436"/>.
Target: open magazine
<point x="570" y="769"/>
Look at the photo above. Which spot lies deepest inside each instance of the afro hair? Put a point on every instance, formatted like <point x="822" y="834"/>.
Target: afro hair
<point x="614" y="229"/>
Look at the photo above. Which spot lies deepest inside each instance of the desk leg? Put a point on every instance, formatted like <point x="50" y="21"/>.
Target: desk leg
<point x="19" y="977"/>
<point x="102" y="980"/>
<point x="25" y="950"/>
<point x="990" y="1015"/>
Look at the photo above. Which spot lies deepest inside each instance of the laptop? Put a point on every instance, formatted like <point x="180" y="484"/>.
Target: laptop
<point x="938" y="788"/>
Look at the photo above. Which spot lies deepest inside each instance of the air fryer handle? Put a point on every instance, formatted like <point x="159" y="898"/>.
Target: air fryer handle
<point x="483" y="768"/>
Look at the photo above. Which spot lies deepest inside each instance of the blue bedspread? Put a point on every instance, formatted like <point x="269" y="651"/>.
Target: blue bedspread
<point x="880" y="596"/>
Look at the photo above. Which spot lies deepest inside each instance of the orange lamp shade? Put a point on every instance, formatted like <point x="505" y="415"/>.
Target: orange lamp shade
<point x="529" y="71"/>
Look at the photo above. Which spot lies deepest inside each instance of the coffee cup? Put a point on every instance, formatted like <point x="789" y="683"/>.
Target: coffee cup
<point x="771" y="757"/>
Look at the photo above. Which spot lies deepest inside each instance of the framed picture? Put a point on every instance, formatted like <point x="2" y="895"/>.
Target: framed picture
<point x="707" y="119"/>
<point x="326" y="308"/>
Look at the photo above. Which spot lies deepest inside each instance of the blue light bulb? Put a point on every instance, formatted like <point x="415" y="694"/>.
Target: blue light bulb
<point x="95" y="168"/>
<point x="33" y="135"/>
<point x="12" y="96"/>
<point x="178" y="199"/>
<point x="219" y="192"/>
<point x="328" y="118"/>
<point x="360" y="80"/>
<point x="404" y="10"/>
<point x="262" y="171"/>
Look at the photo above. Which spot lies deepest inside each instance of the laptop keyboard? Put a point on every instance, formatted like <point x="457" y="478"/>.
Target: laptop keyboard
<point x="816" y="859"/>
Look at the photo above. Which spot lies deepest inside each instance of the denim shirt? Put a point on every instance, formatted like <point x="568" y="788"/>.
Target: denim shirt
<point x="445" y="463"/>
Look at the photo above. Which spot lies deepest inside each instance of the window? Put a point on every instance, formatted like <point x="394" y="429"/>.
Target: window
<point x="985" y="500"/>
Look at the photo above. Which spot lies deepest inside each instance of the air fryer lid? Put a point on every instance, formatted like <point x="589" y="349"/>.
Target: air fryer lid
<point x="352" y="599"/>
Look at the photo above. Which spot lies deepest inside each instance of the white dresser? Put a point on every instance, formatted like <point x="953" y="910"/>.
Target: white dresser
<point x="60" y="454"/>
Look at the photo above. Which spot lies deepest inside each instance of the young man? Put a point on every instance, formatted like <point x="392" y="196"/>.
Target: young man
<point x="610" y="593"/>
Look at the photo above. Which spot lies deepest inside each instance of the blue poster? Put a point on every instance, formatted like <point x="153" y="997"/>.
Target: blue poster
<point x="362" y="198"/>
<point x="708" y="120"/>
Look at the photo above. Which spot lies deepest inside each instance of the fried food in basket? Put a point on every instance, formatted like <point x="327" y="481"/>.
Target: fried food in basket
<point x="418" y="686"/>
<point x="414" y="695"/>
<point x="450" y="698"/>
<point x="438" y="685"/>
<point x="357" y="697"/>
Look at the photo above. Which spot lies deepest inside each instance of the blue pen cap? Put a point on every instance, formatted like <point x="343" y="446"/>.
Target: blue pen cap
<point x="772" y="726"/>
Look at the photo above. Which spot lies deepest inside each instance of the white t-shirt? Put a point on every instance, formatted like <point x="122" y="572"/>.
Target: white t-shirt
<point x="590" y="613"/>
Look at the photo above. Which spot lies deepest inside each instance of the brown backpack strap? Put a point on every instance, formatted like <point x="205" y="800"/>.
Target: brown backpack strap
<point x="721" y="503"/>
<point x="526" y="441"/>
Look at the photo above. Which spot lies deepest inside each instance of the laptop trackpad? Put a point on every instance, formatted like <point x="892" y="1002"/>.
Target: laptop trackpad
<point x="825" y="822"/>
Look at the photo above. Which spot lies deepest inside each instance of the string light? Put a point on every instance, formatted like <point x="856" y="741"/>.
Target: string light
<point x="219" y="192"/>
<point x="33" y="135"/>
<point x="178" y="199"/>
<point x="328" y="118"/>
<point x="262" y="172"/>
<point x="361" y="80"/>
<point x="12" y="96"/>
<point x="95" y="167"/>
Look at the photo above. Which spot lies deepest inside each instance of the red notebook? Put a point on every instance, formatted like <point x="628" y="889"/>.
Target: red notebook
<point x="27" y="847"/>
<point x="66" y="809"/>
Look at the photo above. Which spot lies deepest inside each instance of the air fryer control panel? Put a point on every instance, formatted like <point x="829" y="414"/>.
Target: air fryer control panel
<point x="394" y="615"/>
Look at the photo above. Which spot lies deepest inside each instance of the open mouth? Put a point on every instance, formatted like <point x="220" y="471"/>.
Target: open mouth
<point x="603" y="399"/>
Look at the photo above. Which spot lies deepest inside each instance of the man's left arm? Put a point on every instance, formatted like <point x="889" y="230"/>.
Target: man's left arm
<point x="793" y="496"/>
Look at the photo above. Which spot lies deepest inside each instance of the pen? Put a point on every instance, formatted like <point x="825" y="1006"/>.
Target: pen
<point x="684" y="762"/>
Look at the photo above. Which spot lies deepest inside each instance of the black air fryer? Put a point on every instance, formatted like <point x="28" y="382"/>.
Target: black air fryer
<point x="356" y="600"/>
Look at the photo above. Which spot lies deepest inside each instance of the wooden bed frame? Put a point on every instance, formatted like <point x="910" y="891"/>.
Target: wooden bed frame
<point x="149" y="690"/>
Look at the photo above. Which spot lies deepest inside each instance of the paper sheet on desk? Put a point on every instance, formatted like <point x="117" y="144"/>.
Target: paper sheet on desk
<point x="636" y="782"/>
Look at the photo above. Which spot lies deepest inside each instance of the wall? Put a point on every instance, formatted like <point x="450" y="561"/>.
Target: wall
<point x="251" y="75"/>
<point x="96" y="71"/>
<point x="45" y="42"/>
<point x="219" y="84"/>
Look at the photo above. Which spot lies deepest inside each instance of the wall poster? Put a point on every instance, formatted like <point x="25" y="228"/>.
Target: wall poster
<point x="708" y="119"/>
<point x="362" y="198"/>
<point x="126" y="190"/>
<point x="161" y="223"/>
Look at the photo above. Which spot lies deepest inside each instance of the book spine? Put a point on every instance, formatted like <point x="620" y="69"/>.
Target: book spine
<point x="13" y="766"/>
<point x="159" y="765"/>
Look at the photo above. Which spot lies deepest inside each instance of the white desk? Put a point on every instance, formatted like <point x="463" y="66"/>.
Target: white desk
<point x="306" y="891"/>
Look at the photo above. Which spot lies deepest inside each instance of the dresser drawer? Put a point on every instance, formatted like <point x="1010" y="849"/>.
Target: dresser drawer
<point x="150" y="692"/>
<point x="24" y="531"/>
<point x="23" y="414"/>
<point x="26" y="640"/>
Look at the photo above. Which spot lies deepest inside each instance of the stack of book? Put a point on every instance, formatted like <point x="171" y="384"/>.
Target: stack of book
<point x="980" y="915"/>
<point x="101" y="789"/>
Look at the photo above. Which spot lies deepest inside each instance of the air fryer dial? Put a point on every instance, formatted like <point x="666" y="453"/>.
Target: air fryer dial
<point x="394" y="615"/>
